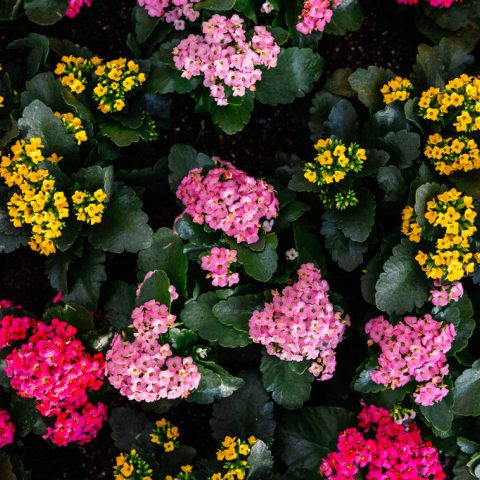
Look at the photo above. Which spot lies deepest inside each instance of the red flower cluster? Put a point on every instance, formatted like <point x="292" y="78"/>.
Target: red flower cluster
<point x="382" y="450"/>
<point x="7" y="430"/>
<point x="13" y="328"/>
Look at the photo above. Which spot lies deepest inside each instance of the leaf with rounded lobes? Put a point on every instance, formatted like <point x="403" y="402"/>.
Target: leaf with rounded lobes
<point x="439" y="415"/>
<point x="298" y="183"/>
<point x="215" y="383"/>
<point x="322" y="105"/>
<point x="367" y="83"/>
<point x="39" y="46"/>
<point x="74" y="314"/>
<point x="259" y="265"/>
<point x="308" y="245"/>
<point x="119" y="134"/>
<point x="144" y="24"/>
<point x="165" y="78"/>
<point x="306" y="436"/>
<point x="38" y="121"/>
<point x="345" y="252"/>
<point x="24" y="414"/>
<point x="363" y="383"/>
<point x="165" y="253"/>
<point x="461" y="471"/>
<point x="391" y="181"/>
<point x="86" y="276"/>
<point x="371" y="273"/>
<point x="215" y="5"/>
<point x="293" y="77"/>
<point x="403" y="147"/>
<point x="402" y="286"/>
<point x="467" y="392"/>
<point x="290" y="213"/>
<point x="260" y="461"/>
<point x="338" y="84"/>
<point x="233" y="117"/>
<point x="198" y="315"/>
<point x="118" y="301"/>
<point x="182" y="340"/>
<point x="124" y="224"/>
<point x="237" y="310"/>
<point x="342" y="122"/>
<point x="281" y="36"/>
<point x="248" y="411"/>
<point x="9" y="9"/>
<point x="187" y="229"/>
<point x="288" y="382"/>
<point x="45" y="12"/>
<point x="347" y="17"/>
<point x="155" y="288"/>
<point x="11" y="238"/>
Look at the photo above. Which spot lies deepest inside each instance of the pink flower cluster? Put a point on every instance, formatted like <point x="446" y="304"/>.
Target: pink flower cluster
<point x="444" y="294"/>
<point x="412" y="350"/>
<point x="433" y="3"/>
<point x="227" y="199"/>
<point x="13" y="328"/>
<point x="381" y="449"/>
<point x="218" y="263"/>
<point x="225" y="58"/>
<point x="53" y="368"/>
<point x="74" y="7"/>
<point x="6" y="304"/>
<point x="301" y="324"/>
<point x="316" y="14"/>
<point x="7" y="430"/>
<point x="174" y="12"/>
<point x="146" y="370"/>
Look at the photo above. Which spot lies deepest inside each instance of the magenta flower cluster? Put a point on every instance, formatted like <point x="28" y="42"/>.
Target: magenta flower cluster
<point x="218" y="263"/>
<point x="301" y="324"/>
<point x="444" y="294"/>
<point x="412" y="350"/>
<point x="381" y="449"/>
<point x="316" y="14"/>
<point x="74" y="7"/>
<point x="228" y="62"/>
<point x="145" y="369"/>
<point x="13" y="328"/>
<point x="7" y="430"/>
<point x="174" y="11"/>
<point x="433" y="3"/>
<point x="227" y="199"/>
<point x="53" y="368"/>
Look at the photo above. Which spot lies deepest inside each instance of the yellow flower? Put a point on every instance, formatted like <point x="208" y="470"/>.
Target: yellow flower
<point x="169" y="446"/>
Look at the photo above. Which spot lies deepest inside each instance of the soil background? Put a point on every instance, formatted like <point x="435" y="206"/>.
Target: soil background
<point x="388" y="38"/>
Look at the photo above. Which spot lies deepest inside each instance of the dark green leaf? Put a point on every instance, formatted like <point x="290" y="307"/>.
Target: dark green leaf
<point x="260" y="461"/>
<point x="155" y="288"/>
<point x="367" y="83"/>
<point x="232" y="118"/>
<point x="236" y="311"/>
<point x="347" y="17"/>
<point x="342" y="122"/>
<point x="118" y="302"/>
<point x="467" y="391"/>
<point x="45" y="12"/>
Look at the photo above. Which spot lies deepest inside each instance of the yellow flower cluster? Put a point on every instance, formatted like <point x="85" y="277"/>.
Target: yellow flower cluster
<point x="131" y="466"/>
<point x="185" y="473"/>
<point x="73" y="125"/>
<point x="452" y="258"/>
<point x="450" y="155"/>
<point x="334" y="161"/>
<point x="166" y="435"/>
<point x="233" y="455"/>
<point x="74" y="72"/>
<point x="89" y="207"/>
<point x="2" y="99"/>
<point x="396" y="89"/>
<point x="410" y="228"/>
<point x="114" y="80"/>
<point x="457" y="105"/>
<point x="37" y="203"/>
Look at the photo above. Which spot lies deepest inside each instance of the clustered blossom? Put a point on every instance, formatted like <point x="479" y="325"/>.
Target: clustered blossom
<point x="413" y="350"/>
<point x="228" y="62"/>
<point x="53" y="368"/>
<point x="381" y="449"/>
<point x="233" y="454"/>
<point x="227" y="199"/>
<point x="131" y="466"/>
<point x="7" y="430"/>
<point x="397" y="88"/>
<point x="13" y="328"/>
<point x="175" y="11"/>
<point x="165" y="435"/>
<point x="146" y="369"/>
<point x="73" y="125"/>
<point x="218" y="263"/>
<point x="74" y="7"/>
<point x="316" y="14"/>
<point x="444" y="294"/>
<point x="433" y="3"/>
<point x="301" y="324"/>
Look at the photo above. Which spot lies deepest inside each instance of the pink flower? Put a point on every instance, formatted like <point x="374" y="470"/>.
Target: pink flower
<point x="316" y="14"/>
<point x="7" y="430"/>
<point x="444" y="294"/>
<point x="218" y="263"/>
<point x="172" y="11"/>
<point x="301" y="324"/>
<point x="58" y="298"/>
<point x="74" y="7"/>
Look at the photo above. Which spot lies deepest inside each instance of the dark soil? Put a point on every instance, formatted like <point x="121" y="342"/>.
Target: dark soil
<point x="387" y="38"/>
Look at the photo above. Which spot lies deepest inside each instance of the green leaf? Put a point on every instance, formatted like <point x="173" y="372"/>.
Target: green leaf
<point x="119" y="134"/>
<point x="342" y="122"/>
<point x="347" y="17"/>
<point x="155" y="288"/>
<point x="144" y="24"/>
<point x="467" y="391"/>
<point x="363" y="383"/>
<point x="296" y="72"/>
<point x="215" y="383"/>
<point x="187" y="229"/>
<point x="306" y="436"/>
<point x="367" y="83"/>
<point x="259" y="265"/>
<point x="345" y="252"/>
<point x="403" y="147"/>
<point x="338" y="84"/>
<point x="402" y="286"/>
<point x="308" y="246"/>
<point x="86" y="276"/>
<point x="391" y="181"/>
<point x="181" y="159"/>
<point x="260" y="461"/>
<point x="356" y="222"/>
<point x="118" y="301"/>
<point x="439" y="415"/>
<point x="38" y="121"/>
<point x="233" y="117"/>
<point x="288" y="382"/>
<point x="165" y="78"/>
<point x="290" y="213"/>
<point x="248" y="411"/>
<point x="45" y="12"/>
<point x="11" y="238"/>
<point x="236" y="311"/>
<point x="9" y="9"/>
<point x="461" y="471"/>
<point x="39" y="46"/>
<point x="198" y="315"/>
<point x="322" y="105"/>
<point x="165" y="253"/>
<point x="77" y="315"/>
<point x="124" y="224"/>
<point x="215" y="5"/>
<point x="24" y="414"/>
<point x="182" y="340"/>
<point x="371" y="273"/>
